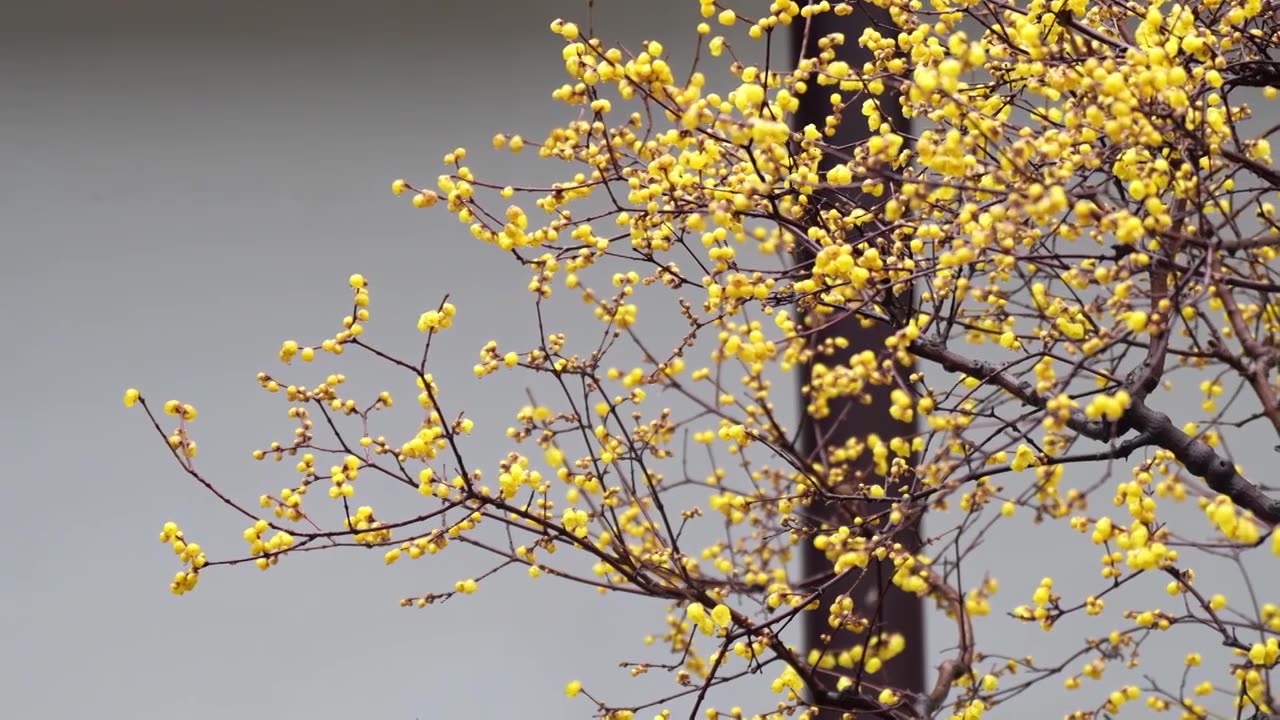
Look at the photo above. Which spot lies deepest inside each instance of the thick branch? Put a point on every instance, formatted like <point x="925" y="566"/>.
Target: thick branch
<point x="1255" y="73"/>
<point x="1256" y="167"/>
<point x="1218" y="472"/>
<point x="1196" y="456"/>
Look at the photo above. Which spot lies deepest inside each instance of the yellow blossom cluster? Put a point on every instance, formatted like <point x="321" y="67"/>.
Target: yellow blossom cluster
<point x="192" y="557"/>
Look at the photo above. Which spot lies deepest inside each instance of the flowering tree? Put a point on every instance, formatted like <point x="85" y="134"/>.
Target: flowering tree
<point x="1081" y="228"/>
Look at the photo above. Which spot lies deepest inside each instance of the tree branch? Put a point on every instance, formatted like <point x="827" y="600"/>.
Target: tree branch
<point x="1217" y="471"/>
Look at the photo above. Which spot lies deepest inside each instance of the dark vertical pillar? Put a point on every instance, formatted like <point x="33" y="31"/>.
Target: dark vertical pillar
<point x="875" y="597"/>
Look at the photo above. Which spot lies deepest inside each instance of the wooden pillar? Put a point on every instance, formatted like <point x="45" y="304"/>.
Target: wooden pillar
<point x="892" y="610"/>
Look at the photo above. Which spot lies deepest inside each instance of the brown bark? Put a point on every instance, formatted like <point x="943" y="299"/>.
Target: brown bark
<point x="874" y="596"/>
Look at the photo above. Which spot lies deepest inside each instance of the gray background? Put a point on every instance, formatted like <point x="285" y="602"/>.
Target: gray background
<point x="183" y="185"/>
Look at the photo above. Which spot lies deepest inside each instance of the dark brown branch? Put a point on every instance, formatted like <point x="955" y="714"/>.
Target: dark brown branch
<point x="1196" y="456"/>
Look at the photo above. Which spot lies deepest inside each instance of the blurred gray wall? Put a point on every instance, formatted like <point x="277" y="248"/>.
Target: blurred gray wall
<point x="182" y="186"/>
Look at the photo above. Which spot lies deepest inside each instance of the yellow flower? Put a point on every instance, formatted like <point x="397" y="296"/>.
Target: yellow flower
<point x="721" y="616"/>
<point x="1025" y="458"/>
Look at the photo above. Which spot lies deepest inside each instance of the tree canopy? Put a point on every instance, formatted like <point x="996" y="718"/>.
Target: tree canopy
<point x="1078" y="227"/>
